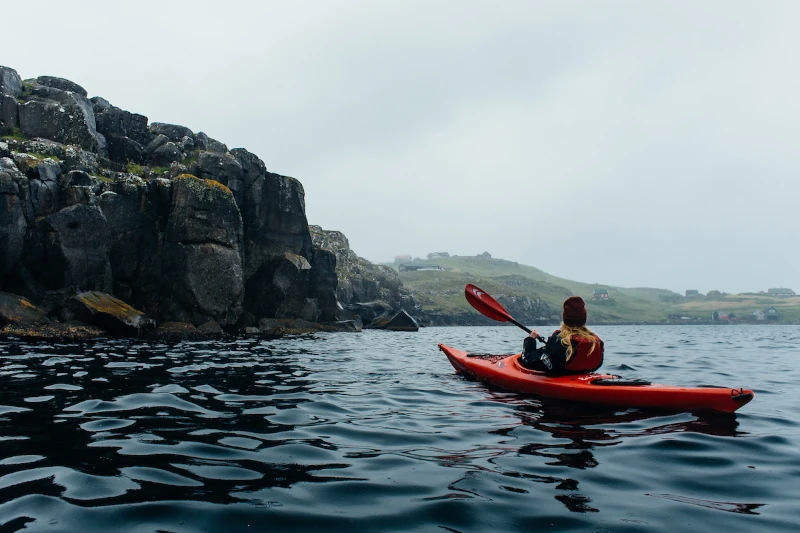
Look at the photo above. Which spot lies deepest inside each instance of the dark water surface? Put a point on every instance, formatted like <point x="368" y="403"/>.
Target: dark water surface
<point x="375" y="432"/>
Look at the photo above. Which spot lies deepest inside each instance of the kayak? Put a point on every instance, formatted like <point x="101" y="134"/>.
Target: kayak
<point x="506" y="372"/>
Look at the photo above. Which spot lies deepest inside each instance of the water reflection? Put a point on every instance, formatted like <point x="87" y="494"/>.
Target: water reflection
<point x="361" y="432"/>
<point x="587" y="427"/>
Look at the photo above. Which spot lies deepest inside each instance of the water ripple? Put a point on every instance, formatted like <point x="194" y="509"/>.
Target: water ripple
<point x="375" y="432"/>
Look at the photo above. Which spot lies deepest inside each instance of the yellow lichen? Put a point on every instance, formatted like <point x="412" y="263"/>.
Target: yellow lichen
<point x="103" y="303"/>
<point x="210" y="184"/>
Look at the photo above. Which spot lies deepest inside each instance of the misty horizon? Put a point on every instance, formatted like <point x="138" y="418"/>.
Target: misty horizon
<point x="624" y="143"/>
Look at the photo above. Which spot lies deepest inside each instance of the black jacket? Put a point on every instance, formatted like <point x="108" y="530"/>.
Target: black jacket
<point x="549" y="358"/>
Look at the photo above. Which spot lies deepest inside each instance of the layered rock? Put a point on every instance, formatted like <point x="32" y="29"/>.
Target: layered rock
<point x="363" y="287"/>
<point x="201" y="259"/>
<point x="172" y="222"/>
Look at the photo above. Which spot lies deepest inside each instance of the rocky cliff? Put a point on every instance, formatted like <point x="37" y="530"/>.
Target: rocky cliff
<point x="172" y="222"/>
<point x="362" y="287"/>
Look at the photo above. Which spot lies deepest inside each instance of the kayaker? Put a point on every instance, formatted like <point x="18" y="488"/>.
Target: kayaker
<point x="571" y="349"/>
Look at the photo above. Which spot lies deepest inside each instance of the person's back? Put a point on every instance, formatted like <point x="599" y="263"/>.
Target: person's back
<point x="572" y="349"/>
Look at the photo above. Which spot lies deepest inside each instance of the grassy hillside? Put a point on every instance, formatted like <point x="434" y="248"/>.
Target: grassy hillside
<point x="442" y="293"/>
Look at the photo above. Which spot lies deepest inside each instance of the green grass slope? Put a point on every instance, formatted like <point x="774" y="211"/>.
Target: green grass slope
<point x="441" y="292"/>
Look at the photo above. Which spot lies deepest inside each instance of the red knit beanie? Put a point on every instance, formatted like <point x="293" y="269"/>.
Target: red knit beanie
<point x="574" y="313"/>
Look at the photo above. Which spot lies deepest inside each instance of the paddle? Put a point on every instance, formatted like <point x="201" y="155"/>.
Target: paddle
<point x="488" y="306"/>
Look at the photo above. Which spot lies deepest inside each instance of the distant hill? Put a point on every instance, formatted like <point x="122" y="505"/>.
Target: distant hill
<point x="441" y="293"/>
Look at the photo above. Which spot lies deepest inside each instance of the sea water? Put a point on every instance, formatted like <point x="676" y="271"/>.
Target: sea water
<point x="374" y="431"/>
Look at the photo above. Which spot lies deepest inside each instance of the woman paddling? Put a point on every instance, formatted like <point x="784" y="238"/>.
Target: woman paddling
<point x="572" y="349"/>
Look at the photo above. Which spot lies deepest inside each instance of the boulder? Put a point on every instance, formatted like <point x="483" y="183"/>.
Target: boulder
<point x="204" y="142"/>
<point x="201" y="254"/>
<point x="60" y="116"/>
<point x="275" y="224"/>
<point x="173" y="132"/>
<point x="156" y="143"/>
<point x="174" y="332"/>
<point x="110" y="314"/>
<point x="211" y="329"/>
<point x="368" y="311"/>
<point x="71" y="248"/>
<point x="18" y="311"/>
<point x="400" y="321"/>
<point x="225" y="169"/>
<point x="112" y="120"/>
<point x="61" y="83"/>
<point x="166" y="154"/>
<point x="203" y="211"/>
<point x="280" y="288"/>
<point x="124" y="149"/>
<point x="10" y="82"/>
<point x="354" y="326"/>
<point x="78" y="159"/>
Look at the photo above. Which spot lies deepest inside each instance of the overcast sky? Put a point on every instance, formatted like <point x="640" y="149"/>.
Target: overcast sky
<point x="629" y="143"/>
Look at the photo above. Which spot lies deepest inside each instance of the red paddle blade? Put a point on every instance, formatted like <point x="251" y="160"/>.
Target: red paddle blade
<point x="487" y="305"/>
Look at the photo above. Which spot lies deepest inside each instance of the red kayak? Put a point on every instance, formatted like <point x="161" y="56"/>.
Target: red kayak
<point x="506" y="372"/>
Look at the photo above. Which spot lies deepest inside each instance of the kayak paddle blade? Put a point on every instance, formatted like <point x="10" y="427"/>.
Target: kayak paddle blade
<point x="485" y="304"/>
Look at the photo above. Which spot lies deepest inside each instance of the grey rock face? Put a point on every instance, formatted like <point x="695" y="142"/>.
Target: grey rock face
<point x="13" y="224"/>
<point x="61" y="116"/>
<point x="19" y="311"/>
<point x="201" y="261"/>
<point x="10" y="82"/>
<point x="45" y="192"/>
<point x="124" y="149"/>
<point x="115" y="121"/>
<point x="61" y="83"/>
<point x="166" y="154"/>
<point x="136" y="212"/>
<point x="9" y="110"/>
<point x="173" y="132"/>
<point x="225" y="169"/>
<point x="156" y="143"/>
<point x="71" y="248"/>
<point x="281" y="288"/>
<point x="323" y="283"/>
<point x="360" y="281"/>
<point x="204" y="142"/>
<point x="109" y="313"/>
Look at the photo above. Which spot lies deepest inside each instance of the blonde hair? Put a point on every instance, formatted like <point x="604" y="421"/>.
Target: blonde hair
<point x="579" y="332"/>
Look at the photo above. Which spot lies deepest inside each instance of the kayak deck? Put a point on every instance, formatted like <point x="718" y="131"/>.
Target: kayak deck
<point x="605" y="389"/>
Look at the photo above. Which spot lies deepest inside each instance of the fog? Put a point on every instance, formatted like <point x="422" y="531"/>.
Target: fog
<point x="626" y="143"/>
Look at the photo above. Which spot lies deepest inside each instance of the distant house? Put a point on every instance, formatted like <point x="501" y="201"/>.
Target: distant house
<point x="485" y="255"/>
<point x="727" y="317"/>
<point x="759" y="315"/>
<point x="780" y="292"/>
<point x="435" y="255"/>
<point x="693" y="293"/>
<point x="600" y="294"/>
<point x="771" y="313"/>
<point x="412" y="268"/>
<point x="715" y="316"/>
